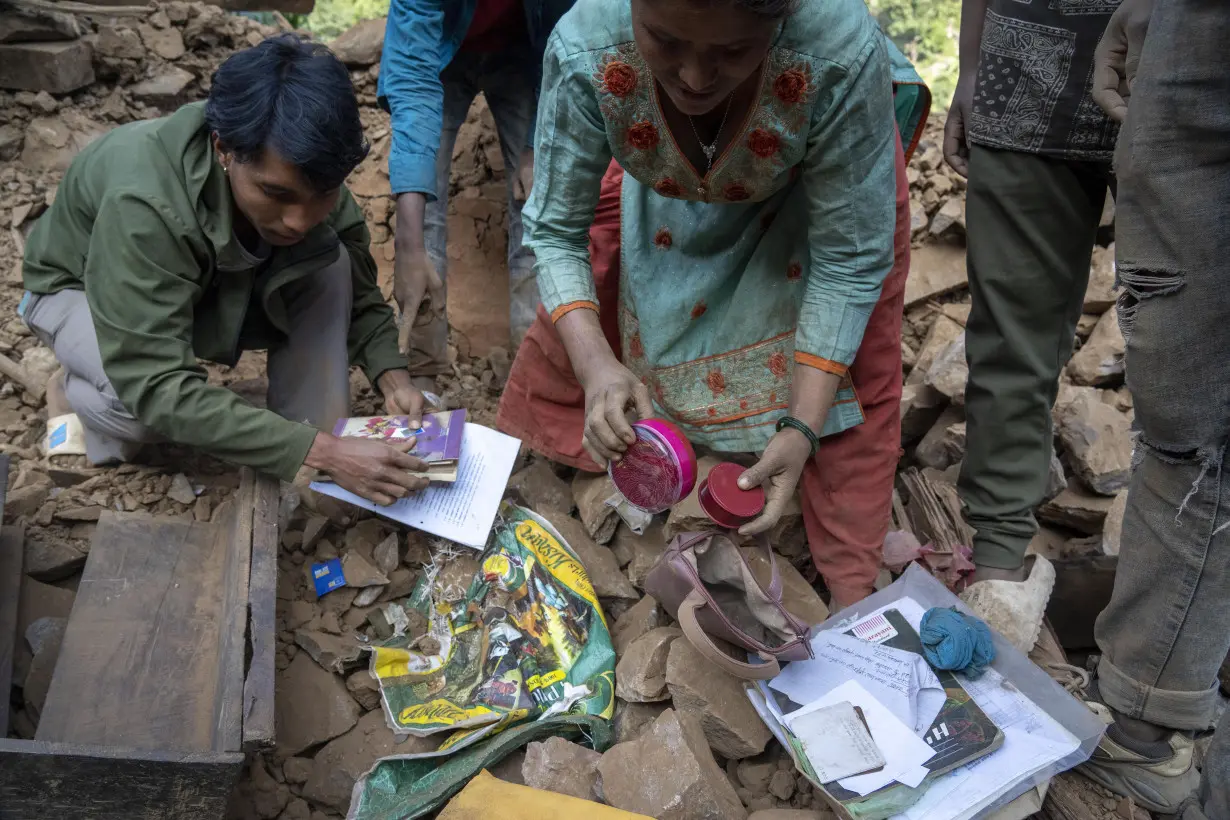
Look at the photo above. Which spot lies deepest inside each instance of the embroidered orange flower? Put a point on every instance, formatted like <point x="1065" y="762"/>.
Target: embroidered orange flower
<point x="663" y="239"/>
<point x="698" y="309"/>
<point x="668" y="187"/>
<point x="791" y="86"/>
<point x="763" y="144"/>
<point x="773" y="397"/>
<point x="635" y="347"/>
<point x="618" y="78"/>
<point x="716" y="381"/>
<point x="743" y="404"/>
<point x="794" y="272"/>
<point x="643" y="135"/>
<point x="736" y="192"/>
<point x="778" y="365"/>
<point x="766" y="220"/>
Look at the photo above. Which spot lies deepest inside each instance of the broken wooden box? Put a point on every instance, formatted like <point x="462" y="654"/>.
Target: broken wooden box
<point x="166" y="672"/>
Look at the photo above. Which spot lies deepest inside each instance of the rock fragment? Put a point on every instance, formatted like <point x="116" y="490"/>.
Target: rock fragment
<point x="312" y="706"/>
<point x="599" y="561"/>
<point x="556" y="765"/>
<point x="1100" y="361"/>
<point x="640" y="675"/>
<point x="339" y="765"/>
<point x="1097" y="438"/>
<point x="542" y="489"/>
<point x="644" y="616"/>
<point x="590" y="492"/>
<point x="717" y="700"/>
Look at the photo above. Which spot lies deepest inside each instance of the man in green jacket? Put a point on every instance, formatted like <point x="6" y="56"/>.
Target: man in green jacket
<point x="222" y="228"/>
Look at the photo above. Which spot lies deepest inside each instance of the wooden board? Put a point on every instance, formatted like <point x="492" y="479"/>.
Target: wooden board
<point x="228" y="727"/>
<point x="139" y="665"/>
<point x="50" y="780"/>
<point x="258" y="720"/>
<point x="12" y="549"/>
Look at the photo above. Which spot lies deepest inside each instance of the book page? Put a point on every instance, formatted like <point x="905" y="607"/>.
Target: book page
<point x="462" y="511"/>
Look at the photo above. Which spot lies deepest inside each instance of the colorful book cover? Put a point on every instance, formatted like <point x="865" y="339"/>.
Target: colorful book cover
<point x="438" y="440"/>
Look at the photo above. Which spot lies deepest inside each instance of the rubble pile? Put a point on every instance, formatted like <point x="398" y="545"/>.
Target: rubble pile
<point x="688" y="744"/>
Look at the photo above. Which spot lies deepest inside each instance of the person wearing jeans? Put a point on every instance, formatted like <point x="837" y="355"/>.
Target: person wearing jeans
<point x="437" y="57"/>
<point x="1166" y="630"/>
<point x="1023" y="127"/>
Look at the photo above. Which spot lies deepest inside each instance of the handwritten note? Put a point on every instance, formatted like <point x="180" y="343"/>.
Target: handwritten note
<point x="836" y="742"/>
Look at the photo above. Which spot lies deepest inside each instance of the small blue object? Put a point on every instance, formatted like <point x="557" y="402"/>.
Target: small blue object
<point x="953" y="640"/>
<point x="327" y="576"/>
<point x="58" y="436"/>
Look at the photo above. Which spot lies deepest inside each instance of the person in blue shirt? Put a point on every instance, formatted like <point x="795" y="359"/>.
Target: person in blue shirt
<point x="438" y="55"/>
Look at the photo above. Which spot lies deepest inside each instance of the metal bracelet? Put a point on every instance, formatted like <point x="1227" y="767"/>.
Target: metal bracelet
<point x="790" y="421"/>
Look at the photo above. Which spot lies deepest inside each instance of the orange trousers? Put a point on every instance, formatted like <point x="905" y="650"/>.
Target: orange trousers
<point x="846" y="490"/>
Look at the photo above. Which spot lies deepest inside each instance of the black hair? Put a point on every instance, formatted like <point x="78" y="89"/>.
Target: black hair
<point x="292" y="96"/>
<point x="773" y="9"/>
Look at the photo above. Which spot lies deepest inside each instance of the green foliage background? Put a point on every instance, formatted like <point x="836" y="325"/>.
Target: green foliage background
<point x="926" y="30"/>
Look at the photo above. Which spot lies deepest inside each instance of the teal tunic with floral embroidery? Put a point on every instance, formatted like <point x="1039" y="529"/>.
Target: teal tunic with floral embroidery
<point x="729" y="279"/>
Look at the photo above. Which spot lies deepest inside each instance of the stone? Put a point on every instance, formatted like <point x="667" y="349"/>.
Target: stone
<point x="1101" y="294"/>
<point x="365" y="689"/>
<point x="1077" y="509"/>
<point x="944" y="331"/>
<point x="339" y="765"/>
<point x="360" y="573"/>
<point x="48" y="635"/>
<point x="455" y="577"/>
<point x="11" y="139"/>
<point x="944" y="444"/>
<point x="717" y="700"/>
<point x="37" y="602"/>
<point x="936" y="268"/>
<point x="949" y="371"/>
<point x="1085" y="324"/>
<point x="48" y="145"/>
<point x="401" y="584"/>
<point x="509" y="769"/>
<point x="167" y="89"/>
<point x="754" y="774"/>
<point x="47" y="104"/>
<point x="557" y="765"/>
<point x="1098" y="440"/>
<point x="55" y="67"/>
<point x="312" y="706"/>
<point x="631" y="719"/>
<point x="50" y="557"/>
<point x="640" y="674"/>
<point x="181" y="490"/>
<point x="921" y="406"/>
<point x="781" y="785"/>
<point x="368" y="596"/>
<point x="644" y="616"/>
<point x="542" y="490"/>
<point x="361" y="44"/>
<point x="1057" y="479"/>
<point x="297" y="613"/>
<point x="669" y="774"/>
<point x="166" y="43"/>
<point x="590" y="492"/>
<point x="642" y="551"/>
<point x="1100" y="361"/>
<point x="332" y="652"/>
<point x="119" y="43"/>
<point x="385" y="555"/>
<point x="313" y="529"/>
<point x="949" y="220"/>
<point x="599" y="561"/>
<point x="27" y="500"/>
<point x="297" y="770"/>
<point x="918" y="218"/>
<point x="1112" y="529"/>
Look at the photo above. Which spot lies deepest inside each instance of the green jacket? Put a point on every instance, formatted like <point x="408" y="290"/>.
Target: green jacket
<point x="142" y="223"/>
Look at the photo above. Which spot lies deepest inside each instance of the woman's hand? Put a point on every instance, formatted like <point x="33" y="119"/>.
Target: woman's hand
<point x="610" y="390"/>
<point x="778" y="472"/>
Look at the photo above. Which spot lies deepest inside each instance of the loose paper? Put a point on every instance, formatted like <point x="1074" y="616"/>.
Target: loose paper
<point x="902" y="681"/>
<point x="463" y="511"/>
<point x="836" y="742"/>
<point x="904" y="751"/>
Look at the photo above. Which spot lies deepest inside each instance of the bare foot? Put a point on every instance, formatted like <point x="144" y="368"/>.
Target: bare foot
<point x="57" y="400"/>
<point x="996" y="574"/>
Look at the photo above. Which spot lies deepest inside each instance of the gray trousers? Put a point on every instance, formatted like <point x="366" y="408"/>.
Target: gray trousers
<point x="309" y="375"/>
<point x="507" y="80"/>
<point x="1167" y="627"/>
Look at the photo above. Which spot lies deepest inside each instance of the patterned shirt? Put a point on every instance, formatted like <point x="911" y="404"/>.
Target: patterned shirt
<point x="1034" y="76"/>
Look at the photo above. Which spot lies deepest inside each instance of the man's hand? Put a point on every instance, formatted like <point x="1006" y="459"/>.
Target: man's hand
<point x="414" y="276"/>
<point x="524" y="182"/>
<point x="610" y="389"/>
<point x="778" y="472"/>
<point x="1117" y="57"/>
<point x="956" y="146"/>
<point x="373" y="469"/>
<point x="401" y="397"/>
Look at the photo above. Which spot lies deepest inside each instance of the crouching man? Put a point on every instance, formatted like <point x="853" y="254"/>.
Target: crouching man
<point x="222" y="228"/>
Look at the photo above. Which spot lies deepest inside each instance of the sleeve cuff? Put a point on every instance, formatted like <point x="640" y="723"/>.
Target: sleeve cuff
<point x="562" y="280"/>
<point x="831" y="332"/>
<point x="564" y="310"/>
<point x="828" y="366"/>
<point x="413" y="173"/>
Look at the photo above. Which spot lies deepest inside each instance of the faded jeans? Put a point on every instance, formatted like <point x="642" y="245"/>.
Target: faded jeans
<point x="507" y="80"/>
<point x="1167" y="627"/>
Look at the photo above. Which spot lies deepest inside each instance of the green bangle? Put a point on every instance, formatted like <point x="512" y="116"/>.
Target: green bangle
<point x="791" y="421"/>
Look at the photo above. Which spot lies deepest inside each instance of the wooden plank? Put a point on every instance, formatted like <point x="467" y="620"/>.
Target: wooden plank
<point x="237" y="546"/>
<point x="12" y="549"/>
<point x="44" y="780"/>
<point x="138" y="667"/>
<point x="258" y="721"/>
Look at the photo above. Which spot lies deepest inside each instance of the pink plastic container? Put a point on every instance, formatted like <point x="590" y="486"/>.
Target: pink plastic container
<point x="723" y="501"/>
<point x="658" y="470"/>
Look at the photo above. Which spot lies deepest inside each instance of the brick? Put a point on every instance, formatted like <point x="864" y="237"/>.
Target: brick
<point x="57" y="68"/>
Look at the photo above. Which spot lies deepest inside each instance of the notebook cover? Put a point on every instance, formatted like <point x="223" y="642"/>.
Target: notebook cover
<point x="439" y="439"/>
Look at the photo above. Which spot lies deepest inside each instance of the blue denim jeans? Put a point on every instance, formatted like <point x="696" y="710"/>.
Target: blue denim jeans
<point x="1167" y="628"/>
<point x="506" y="79"/>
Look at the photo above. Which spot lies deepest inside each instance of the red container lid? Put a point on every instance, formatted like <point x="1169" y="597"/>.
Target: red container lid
<point x="722" y="488"/>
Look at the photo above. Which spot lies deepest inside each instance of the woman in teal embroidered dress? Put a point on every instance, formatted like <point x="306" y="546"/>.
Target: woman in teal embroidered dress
<point x="742" y="259"/>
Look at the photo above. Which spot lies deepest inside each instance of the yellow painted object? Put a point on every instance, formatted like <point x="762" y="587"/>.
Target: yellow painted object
<point x="489" y="798"/>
